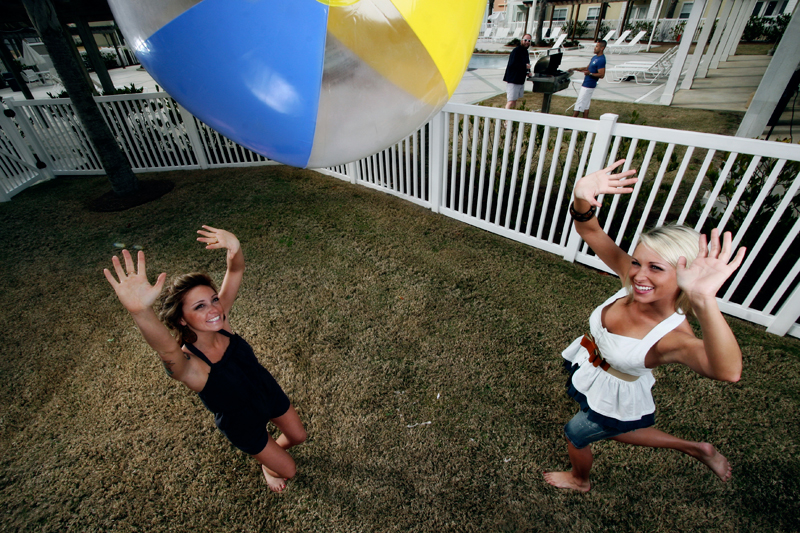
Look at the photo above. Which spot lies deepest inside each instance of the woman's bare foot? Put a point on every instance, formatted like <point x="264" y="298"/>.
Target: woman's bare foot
<point x="709" y="456"/>
<point x="276" y="484"/>
<point x="565" y="480"/>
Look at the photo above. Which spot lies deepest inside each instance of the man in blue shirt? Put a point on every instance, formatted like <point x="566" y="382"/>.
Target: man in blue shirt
<point x="595" y="71"/>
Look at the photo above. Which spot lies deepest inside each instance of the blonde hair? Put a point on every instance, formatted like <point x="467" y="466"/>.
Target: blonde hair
<point x="671" y="243"/>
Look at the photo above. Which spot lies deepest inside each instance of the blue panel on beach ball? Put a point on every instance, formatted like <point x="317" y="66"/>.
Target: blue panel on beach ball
<point x="305" y="82"/>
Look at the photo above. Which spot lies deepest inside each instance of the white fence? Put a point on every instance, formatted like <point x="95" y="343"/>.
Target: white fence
<point x="508" y="172"/>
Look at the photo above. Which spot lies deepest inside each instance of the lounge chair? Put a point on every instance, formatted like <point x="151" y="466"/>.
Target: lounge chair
<point x="607" y="38"/>
<point x="536" y="54"/>
<point x="487" y="35"/>
<point x="631" y="47"/>
<point x="621" y="39"/>
<point x="643" y="72"/>
<point x="501" y="35"/>
<point x="518" y="33"/>
<point x="31" y="76"/>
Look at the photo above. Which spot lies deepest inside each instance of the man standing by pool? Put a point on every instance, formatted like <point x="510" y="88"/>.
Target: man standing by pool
<point x="519" y="63"/>
<point x="595" y="71"/>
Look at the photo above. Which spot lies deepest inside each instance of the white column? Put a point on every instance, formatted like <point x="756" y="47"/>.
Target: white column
<point x="711" y="16"/>
<point x="741" y="22"/>
<point x="730" y="26"/>
<point x="683" y="51"/>
<point x="724" y="15"/>
<point x="655" y="24"/>
<point x="654" y="10"/>
<point x="777" y="76"/>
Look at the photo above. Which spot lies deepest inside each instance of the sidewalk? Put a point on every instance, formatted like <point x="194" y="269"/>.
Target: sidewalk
<point x="728" y="88"/>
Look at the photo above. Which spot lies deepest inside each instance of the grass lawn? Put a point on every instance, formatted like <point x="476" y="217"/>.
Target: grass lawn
<point x="721" y="122"/>
<point x="422" y="354"/>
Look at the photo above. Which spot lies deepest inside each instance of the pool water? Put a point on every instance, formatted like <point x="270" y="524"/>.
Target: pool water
<point x="498" y="61"/>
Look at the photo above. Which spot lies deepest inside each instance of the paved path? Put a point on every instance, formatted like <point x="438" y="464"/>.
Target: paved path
<point x="728" y="88"/>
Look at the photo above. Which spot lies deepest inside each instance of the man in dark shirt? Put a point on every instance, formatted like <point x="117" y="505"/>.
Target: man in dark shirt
<point x="519" y="64"/>
<point x="595" y="71"/>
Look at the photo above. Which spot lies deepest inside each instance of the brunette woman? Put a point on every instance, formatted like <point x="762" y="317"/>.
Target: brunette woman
<point x="207" y="357"/>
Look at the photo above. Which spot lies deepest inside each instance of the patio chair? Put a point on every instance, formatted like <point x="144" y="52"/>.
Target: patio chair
<point x="607" y="38"/>
<point x="487" y="35"/>
<point x="518" y="33"/>
<point x="631" y="47"/>
<point x="554" y="33"/>
<point x="621" y="39"/>
<point x="31" y="76"/>
<point x="501" y="35"/>
<point x="536" y="54"/>
<point x="643" y="72"/>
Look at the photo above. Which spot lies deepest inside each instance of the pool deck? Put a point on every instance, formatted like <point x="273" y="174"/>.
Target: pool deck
<point x="730" y="87"/>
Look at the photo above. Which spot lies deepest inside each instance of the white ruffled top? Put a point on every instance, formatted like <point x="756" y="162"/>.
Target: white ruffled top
<point x="608" y="395"/>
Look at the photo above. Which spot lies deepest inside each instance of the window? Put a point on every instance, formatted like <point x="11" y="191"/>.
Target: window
<point x="685" y="10"/>
<point x="770" y="8"/>
<point x="559" y="14"/>
<point x="593" y="13"/>
<point x="757" y="9"/>
<point x="638" y="12"/>
<point x="782" y="10"/>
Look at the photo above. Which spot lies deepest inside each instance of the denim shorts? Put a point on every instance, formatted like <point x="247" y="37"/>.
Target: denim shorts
<point x="581" y="431"/>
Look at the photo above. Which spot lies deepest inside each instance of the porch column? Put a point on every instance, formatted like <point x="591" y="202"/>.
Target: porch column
<point x="724" y="17"/>
<point x="777" y="76"/>
<point x="711" y="15"/>
<point x="683" y="51"/>
<point x="730" y="27"/>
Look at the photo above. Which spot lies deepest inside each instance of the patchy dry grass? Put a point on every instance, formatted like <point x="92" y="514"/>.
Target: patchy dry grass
<point x="374" y="315"/>
<point x="721" y="122"/>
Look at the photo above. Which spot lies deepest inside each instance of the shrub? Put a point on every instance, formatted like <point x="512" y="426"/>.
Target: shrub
<point x="754" y="29"/>
<point x="580" y="28"/>
<point x="776" y="28"/>
<point x="677" y="30"/>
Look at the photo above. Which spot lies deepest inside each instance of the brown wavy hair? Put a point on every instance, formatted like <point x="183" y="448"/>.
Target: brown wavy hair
<point x="171" y="311"/>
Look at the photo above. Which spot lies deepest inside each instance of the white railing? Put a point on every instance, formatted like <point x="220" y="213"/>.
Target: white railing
<point x="511" y="173"/>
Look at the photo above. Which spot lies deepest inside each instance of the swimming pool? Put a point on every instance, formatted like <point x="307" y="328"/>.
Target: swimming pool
<point x="498" y="61"/>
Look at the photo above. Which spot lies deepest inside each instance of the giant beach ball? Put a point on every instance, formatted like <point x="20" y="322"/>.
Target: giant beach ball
<point x="308" y="83"/>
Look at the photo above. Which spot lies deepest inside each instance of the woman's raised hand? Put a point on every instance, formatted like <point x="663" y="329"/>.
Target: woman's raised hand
<point x="590" y="187"/>
<point x="133" y="289"/>
<point x="218" y="238"/>
<point x="711" y="268"/>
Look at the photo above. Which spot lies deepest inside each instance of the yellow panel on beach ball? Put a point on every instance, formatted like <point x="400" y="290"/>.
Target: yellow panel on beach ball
<point x="448" y="30"/>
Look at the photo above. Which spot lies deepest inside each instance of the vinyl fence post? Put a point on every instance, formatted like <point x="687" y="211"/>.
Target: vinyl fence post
<point x="194" y="137"/>
<point x="22" y="146"/>
<point x="437" y="160"/>
<point x="597" y="161"/>
<point x="352" y="170"/>
<point x="787" y="315"/>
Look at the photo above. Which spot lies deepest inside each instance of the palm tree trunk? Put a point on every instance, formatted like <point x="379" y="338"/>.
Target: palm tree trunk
<point x="44" y="18"/>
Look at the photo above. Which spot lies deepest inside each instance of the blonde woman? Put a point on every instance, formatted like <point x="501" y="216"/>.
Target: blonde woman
<point x="207" y="357"/>
<point x="672" y="272"/>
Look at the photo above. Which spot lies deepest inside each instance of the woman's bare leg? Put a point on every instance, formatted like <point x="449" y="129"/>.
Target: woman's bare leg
<point x="292" y="430"/>
<point x="702" y="451"/>
<point x="578" y="477"/>
<point x="276" y="464"/>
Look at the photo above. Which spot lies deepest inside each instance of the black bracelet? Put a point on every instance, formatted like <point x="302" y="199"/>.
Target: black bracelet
<point x="581" y="217"/>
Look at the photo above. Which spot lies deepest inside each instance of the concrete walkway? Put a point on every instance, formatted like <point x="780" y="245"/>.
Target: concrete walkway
<point x="730" y="87"/>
